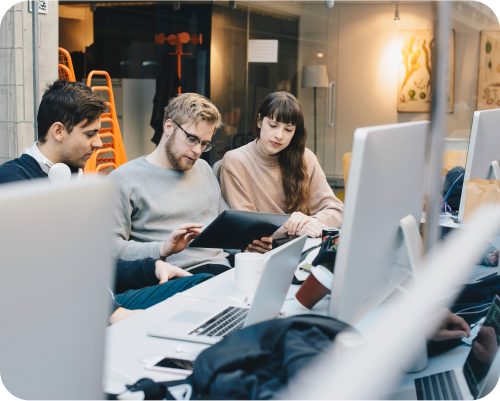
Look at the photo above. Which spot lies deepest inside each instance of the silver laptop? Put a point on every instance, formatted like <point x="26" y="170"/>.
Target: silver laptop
<point x="208" y="322"/>
<point x="467" y="382"/>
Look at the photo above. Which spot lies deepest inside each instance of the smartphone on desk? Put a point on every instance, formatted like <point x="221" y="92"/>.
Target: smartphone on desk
<point x="171" y="365"/>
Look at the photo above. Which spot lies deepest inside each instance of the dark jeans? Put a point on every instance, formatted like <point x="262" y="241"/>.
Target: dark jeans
<point x="214" y="270"/>
<point x="146" y="297"/>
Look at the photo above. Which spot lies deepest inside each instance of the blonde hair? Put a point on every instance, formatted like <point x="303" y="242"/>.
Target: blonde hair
<point x="192" y="108"/>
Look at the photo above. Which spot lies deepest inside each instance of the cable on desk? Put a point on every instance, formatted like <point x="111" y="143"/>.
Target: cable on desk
<point x="244" y="301"/>
<point x="128" y="378"/>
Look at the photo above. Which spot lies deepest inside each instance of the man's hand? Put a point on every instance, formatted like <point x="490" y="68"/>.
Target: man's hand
<point x="453" y="326"/>
<point x="314" y="229"/>
<point x="180" y="239"/>
<point x="264" y="245"/>
<point x="121" y="314"/>
<point x="493" y="258"/>
<point x="165" y="271"/>
<point x="485" y="346"/>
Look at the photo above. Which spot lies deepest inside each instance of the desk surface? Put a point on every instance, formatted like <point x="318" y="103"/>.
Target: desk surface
<point x="128" y="342"/>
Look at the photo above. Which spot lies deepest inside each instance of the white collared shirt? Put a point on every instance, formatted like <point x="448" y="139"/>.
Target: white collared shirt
<point x="45" y="164"/>
<point x="35" y="153"/>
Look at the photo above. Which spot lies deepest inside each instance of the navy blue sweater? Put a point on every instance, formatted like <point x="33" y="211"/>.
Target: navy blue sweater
<point x="20" y="169"/>
<point x="134" y="275"/>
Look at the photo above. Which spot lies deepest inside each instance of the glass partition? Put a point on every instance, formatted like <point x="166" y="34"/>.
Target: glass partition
<point x="370" y="67"/>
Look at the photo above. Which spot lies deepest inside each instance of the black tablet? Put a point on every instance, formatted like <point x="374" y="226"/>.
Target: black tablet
<point x="236" y="229"/>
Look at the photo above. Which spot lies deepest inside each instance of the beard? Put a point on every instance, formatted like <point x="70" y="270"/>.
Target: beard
<point x="74" y="163"/>
<point x="174" y="157"/>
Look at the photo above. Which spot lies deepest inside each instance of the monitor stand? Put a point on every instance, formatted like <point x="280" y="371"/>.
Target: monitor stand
<point x="494" y="171"/>
<point x="413" y="244"/>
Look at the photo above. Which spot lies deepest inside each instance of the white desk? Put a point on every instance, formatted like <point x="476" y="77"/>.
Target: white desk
<point x="128" y="342"/>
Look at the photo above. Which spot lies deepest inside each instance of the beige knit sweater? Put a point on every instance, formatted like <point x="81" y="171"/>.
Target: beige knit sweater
<point x="251" y="180"/>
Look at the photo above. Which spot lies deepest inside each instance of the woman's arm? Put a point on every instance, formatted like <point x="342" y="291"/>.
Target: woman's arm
<point x="234" y="193"/>
<point x="323" y="204"/>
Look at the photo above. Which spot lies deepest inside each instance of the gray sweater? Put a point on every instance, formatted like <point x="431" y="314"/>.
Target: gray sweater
<point x="153" y="201"/>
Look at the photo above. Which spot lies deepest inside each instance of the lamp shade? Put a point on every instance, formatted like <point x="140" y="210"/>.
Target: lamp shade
<point x="314" y="76"/>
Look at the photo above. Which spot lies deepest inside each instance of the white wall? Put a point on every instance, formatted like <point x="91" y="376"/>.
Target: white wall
<point x="8" y="135"/>
<point x="22" y="135"/>
<point x="368" y="66"/>
<point x="134" y="105"/>
<point x="137" y="100"/>
<point x="368" y="60"/>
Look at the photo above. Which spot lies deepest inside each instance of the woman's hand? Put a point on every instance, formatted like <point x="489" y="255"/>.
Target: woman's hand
<point x="180" y="239"/>
<point x="314" y="229"/>
<point x="296" y="222"/>
<point x="165" y="271"/>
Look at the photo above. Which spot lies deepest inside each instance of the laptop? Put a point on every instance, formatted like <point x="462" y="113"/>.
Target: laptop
<point x="467" y="382"/>
<point x="208" y="322"/>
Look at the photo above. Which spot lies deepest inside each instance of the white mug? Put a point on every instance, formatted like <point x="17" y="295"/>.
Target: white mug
<point x="248" y="269"/>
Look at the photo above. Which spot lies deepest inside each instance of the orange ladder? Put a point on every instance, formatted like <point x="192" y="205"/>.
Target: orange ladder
<point x="114" y="142"/>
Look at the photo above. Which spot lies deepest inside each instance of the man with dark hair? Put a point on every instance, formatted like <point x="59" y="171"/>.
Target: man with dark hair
<point x="69" y="119"/>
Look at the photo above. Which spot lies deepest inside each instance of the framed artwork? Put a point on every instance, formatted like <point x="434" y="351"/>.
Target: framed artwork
<point x="488" y="80"/>
<point x="415" y="70"/>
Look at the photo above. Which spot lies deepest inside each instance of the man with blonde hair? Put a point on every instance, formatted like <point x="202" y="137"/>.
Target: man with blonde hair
<point x="170" y="191"/>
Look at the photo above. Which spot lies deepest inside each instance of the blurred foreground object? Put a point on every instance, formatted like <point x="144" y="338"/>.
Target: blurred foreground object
<point x="390" y="341"/>
<point x="56" y="264"/>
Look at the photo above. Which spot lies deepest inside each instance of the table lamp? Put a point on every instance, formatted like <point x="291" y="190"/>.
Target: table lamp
<point x="314" y="76"/>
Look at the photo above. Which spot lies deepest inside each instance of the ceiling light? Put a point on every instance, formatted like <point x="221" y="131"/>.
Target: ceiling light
<point x="320" y="55"/>
<point x="396" y="14"/>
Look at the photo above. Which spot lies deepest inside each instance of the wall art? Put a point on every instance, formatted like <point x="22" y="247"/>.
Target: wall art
<point x="488" y="80"/>
<point x="415" y="70"/>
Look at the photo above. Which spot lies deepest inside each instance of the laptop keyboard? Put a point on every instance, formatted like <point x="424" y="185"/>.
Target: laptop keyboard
<point x="442" y="386"/>
<point x="229" y="320"/>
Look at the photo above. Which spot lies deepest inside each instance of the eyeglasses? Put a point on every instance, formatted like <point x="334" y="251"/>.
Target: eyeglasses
<point x="191" y="140"/>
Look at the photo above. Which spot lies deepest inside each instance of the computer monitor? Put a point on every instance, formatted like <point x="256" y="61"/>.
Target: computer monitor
<point x="484" y="148"/>
<point x="56" y="264"/>
<point x="385" y="186"/>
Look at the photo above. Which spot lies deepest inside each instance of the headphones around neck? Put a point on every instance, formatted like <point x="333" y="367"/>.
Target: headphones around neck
<point x="60" y="173"/>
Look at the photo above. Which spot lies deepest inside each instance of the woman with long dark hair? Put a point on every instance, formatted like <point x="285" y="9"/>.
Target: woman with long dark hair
<point x="276" y="173"/>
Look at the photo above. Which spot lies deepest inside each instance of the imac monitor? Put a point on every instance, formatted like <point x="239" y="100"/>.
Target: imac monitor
<point x="385" y="185"/>
<point x="484" y="148"/>
<point x="56" y="264"/>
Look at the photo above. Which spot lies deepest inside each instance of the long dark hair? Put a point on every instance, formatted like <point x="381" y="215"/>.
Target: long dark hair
<point x="283" y="107"/>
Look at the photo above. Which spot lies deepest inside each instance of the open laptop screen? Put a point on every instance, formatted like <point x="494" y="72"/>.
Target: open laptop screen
<point x="483" y="351"/>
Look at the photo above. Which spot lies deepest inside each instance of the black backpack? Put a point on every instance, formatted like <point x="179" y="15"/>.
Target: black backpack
<point x="253" y="363"/>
